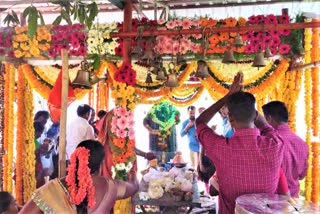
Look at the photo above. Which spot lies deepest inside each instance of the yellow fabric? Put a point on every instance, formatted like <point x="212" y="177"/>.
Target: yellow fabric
<point x="52" y="198"/>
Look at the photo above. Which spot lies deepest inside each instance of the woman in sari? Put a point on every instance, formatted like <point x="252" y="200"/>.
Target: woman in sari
<point x="87" y="193"/>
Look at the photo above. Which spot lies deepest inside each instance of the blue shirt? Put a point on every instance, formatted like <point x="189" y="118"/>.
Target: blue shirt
<point x="191" y="133"/>
<point x="227" y="129"/>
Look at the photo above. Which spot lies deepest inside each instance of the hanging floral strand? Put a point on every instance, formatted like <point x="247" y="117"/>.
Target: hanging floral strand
<point x="315" y="80"/>
<point x="2" y="110"/>
<point x="20" y="136"/>
<point x="6" y="127"/>
<point x="316" y="173"/>
<point x="9" y="115"/>
<point x="29" y="181"/>
<point x="307" y="99"/>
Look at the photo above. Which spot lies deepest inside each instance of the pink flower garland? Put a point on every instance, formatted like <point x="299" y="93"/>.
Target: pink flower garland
<point x="85" y="185"/>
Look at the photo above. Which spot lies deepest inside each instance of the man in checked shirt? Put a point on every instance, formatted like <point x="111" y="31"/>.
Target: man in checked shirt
<point x="249" y="161"/>
<point x="295" y="161"/>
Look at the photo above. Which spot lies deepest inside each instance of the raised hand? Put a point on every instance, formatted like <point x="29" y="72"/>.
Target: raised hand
<point x="237" y="84"/>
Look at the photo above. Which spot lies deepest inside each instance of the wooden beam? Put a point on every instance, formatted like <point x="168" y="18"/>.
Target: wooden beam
<point x="63" y="116"/>
<point x="208" y="31"/>
<point x="127" y="26"/>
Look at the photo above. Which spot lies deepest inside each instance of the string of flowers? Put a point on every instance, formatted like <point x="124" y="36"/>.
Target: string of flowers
<point x="35" y="47"/>
<point x="102" y="96"/>
<point x="29" y="181"/>
<point x="315" y="198"/>
<point x="187" y="101"/>
<point x="2" y="119"/>
<point x="308" y="118"/>
<point x="97" y="86"/>
<point x="315" y="80"/>
<point x="20" y="137"/>
<point x="8" y="157"/>
<point x="227" y="74"/>
<point x="79" y="180"/>
<point x="122" y="127"/>
<point x="6" y="127"/>
<point x="169" y="117"/>
<point x="124" y="95"/>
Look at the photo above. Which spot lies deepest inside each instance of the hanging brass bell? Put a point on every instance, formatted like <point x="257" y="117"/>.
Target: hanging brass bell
<point x="259" y="60"/>
<point x="82" y="79"/>
<point x="228" y="57"/>
<point x="137" y="51"/>
<point x="148" y="56"/>
<point x="94" y="79"/>
<point x="161" y="75"/>
<point x="149" y="78"/>
<point x="238" y="41"/>
<point x="180" y="59"/>
<point x="172" y="80"/>
<point x="202" y="69"/>
<point x="268" y="53"/>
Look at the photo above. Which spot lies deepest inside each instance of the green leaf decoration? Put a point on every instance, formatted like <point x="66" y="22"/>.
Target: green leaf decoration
<point x="58" y="20"/>
<point x="41" y="18"/>
<point x="26" y="11"/>
<point x="81" y="14"/>
<point x="17" y="21"/>
<point x="93" y="11"/>
<point x="32" y="21"/>
<point x="66" y="16"/>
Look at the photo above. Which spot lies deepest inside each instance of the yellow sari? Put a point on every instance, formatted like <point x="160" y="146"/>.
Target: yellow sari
<point x="53" y="198"/>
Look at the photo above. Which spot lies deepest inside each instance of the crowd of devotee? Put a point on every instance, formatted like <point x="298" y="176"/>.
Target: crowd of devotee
<point x="255" y="153"/>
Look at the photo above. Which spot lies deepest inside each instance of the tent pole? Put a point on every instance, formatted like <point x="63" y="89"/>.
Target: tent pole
<point x="127" y="26"/>
<point x="63" y="116"/>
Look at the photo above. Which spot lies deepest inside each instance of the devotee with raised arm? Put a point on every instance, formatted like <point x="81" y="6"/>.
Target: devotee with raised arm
<point x="248" y="162"/>
<point x="295" y="161"/>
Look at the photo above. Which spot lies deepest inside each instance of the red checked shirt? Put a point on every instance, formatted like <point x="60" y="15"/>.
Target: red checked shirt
<point x="246" y="163"/>
<point x="295" y="160"/>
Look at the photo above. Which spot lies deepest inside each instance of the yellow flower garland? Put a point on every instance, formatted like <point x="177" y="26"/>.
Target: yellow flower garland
<point x="226" y="74"/>
<point x="316" y="173"/>
<point x="187" y="102"/>
<point x="307" y="88"/>
<point x="29" y="163"/>
<point x="20" y="137"/>
<point x="315" y="80"/>
<point x="9" y="122"/>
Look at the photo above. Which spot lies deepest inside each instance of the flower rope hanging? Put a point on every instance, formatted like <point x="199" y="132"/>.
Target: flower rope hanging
<point x="20" y="141"/>
<point x="308" y="111"/>
<point x="29" y="163"/>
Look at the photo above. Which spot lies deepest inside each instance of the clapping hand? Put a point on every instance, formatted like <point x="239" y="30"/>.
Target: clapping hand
<point x="237" y="84"/>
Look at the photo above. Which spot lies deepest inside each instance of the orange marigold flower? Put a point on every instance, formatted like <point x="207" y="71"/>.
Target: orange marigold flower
<point x="233" y="34"/>
<point x="224" y="37"/>
<point x="212" y="22"/>
<point x="203" y="22"/>
<point x="214" y="39"/>
<point x="242" y="21"/>
<point x="18" y="53"/>
<point x="21" y="29"/>
<point x="231" y="22"/>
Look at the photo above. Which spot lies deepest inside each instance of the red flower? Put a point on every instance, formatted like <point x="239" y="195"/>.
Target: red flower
<point x="249" y="49"/>
<point x="250" y="35"/>
<point x="284" y="49"/>
<point x="253" y="19"/>
<point x="271" y="19"/>
<point x="285" y="32"/>
<point x="118" y="50"/>
<point x="284" y="19"/>
<point x="275" y="41"/>
<point x="260" y="19"/>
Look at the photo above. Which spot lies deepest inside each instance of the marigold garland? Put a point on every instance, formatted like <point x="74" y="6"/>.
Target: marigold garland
<point x="188" y="100"/>
<point x="315" y="198"/>
<point x="2" y="127"/>
<point x="6" y="127"/>
<point x="20" y="137"/>
<point x="227" y="74"/>
<point x="29" y="181"/>
<point x="9" y="124"/>
<point x="315" y="80"/>
<point x="308" y="117"/>
<point x="79" y="180"/>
